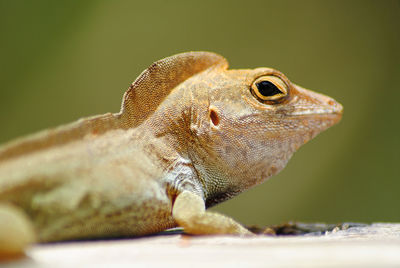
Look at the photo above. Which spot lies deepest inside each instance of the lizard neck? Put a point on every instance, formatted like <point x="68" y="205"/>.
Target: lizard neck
<point x="166" y="137"/>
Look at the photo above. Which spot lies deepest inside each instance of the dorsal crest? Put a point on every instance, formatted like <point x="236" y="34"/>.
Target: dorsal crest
<point x="156" y="82"/>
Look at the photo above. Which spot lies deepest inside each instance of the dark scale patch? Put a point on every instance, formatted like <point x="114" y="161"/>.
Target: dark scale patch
<point x="220" y="197"/>
<point x="228" y="149"/>
<point x="172" y="193"/>
<point x="153" y="67"/>
<point x="244" y="155"/>
<point x="114" y="214"/>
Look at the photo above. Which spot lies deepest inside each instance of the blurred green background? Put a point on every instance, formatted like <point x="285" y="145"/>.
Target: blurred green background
<point x="61" y="60"/>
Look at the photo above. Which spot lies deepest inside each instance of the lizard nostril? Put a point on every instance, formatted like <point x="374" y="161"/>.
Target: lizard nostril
<point x="214" y="117"/>
<point x="337" y="107"/>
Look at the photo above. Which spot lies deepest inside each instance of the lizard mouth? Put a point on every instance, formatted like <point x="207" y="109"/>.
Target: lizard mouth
<point x="322" y="114"/>
<point x="319" y="121"/>
<point x="336" y="110"/>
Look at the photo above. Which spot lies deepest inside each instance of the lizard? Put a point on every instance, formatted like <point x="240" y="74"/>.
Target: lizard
<point x="190" y="134"/>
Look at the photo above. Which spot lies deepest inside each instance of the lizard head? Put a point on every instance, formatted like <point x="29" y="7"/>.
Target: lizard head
<point x="252" y="122"/>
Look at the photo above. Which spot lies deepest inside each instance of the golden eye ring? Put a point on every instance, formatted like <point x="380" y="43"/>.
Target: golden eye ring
<point x="269" y="88"/>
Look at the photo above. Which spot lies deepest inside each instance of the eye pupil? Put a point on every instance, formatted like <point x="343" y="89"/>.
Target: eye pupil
<point x="267" y="89"/>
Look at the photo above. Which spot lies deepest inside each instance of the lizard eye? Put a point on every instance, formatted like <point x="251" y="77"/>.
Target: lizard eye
<point x="269" y="88"/>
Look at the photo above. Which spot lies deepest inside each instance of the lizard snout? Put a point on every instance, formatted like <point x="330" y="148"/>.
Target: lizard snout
<point x="312" y="103"/>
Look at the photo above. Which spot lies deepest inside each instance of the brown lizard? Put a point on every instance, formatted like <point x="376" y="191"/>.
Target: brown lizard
<point x="190" y="134"/>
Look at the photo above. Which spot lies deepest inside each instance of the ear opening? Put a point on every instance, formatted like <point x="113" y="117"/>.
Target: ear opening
<point x="214" y="117"/>
<point x="156" y="82"/>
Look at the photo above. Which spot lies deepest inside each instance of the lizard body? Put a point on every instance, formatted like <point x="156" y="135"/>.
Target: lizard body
<point x="190" y="134"/>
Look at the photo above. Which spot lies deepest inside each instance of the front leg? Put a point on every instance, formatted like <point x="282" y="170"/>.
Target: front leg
<point x="189" y="212"/>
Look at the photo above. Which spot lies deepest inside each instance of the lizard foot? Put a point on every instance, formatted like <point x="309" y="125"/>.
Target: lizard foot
<point x="189" y="212"/>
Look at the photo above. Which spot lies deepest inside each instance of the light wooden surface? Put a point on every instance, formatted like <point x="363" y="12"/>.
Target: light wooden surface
<point x="377" y="245"/>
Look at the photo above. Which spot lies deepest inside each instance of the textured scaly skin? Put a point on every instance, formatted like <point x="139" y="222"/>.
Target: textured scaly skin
<point x="190" y="134"/>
